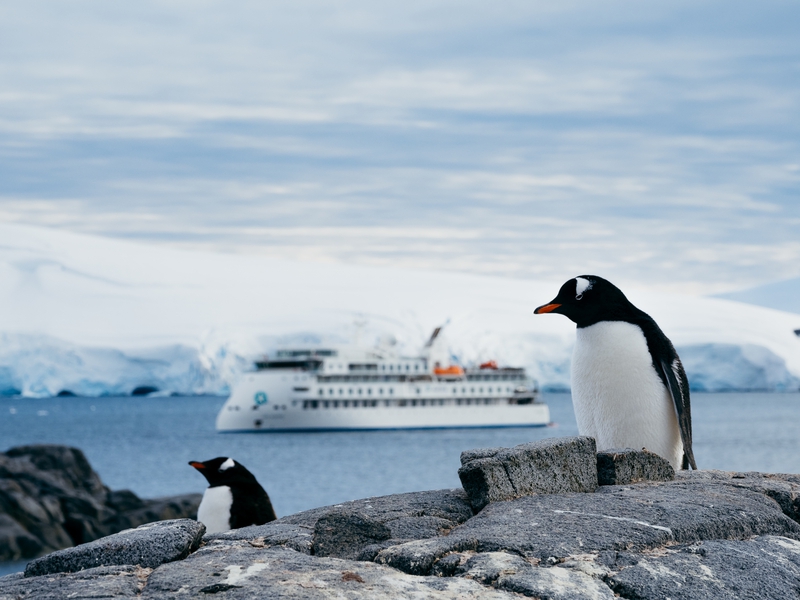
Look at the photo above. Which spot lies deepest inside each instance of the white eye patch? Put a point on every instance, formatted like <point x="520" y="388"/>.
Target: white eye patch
<point x="582" y="285"/>
<point x="227" y="464"/>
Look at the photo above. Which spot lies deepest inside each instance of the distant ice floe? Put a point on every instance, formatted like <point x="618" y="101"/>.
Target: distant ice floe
<point x="91" y="316"/>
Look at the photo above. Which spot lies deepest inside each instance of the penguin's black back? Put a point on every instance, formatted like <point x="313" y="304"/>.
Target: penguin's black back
<point x="251" y="505"/>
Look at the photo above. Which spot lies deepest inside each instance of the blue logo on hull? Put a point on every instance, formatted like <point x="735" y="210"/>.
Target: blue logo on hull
<point x="260" y="398"/>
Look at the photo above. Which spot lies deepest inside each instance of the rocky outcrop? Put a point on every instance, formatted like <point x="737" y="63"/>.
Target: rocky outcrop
<point x="50" y="498"/>
<point x="706" y="534"/>
<point x="625" y="465"/>
<point x="549" y="466"/>
<point x="148" y="546"/>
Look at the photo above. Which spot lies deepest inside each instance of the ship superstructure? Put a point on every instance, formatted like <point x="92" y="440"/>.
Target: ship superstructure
<point x="348" y="388"/>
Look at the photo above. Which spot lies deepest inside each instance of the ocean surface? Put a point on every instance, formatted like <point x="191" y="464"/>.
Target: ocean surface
<point x="144" y="444"/>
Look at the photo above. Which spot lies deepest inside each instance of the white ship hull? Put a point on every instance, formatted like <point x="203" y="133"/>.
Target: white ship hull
<point x="296" y="400"/>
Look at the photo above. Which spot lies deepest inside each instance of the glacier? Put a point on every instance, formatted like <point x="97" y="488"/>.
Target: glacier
<point x="93" y="316"/>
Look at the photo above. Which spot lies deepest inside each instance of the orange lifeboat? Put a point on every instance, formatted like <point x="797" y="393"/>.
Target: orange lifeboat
<point x="451" y="371"/>
<point x="489" y="364"/>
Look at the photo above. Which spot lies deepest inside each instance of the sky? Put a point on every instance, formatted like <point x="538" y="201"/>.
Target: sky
<point x="655" y="144"/>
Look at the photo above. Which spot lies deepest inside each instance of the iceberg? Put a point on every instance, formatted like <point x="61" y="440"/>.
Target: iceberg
<point x="93" y="316"/>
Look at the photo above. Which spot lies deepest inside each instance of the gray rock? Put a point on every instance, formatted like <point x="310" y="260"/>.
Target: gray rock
<point x="552" y="466"/>
<point x="275" y="533"/>
<point x="100" y="582"/>
<point x="415" y="515"/>
<point x="784" y="489"/>
<point x="512" y="573"/>
<point x="616" y="518"/>
<point x="344" y="534"/>
<point x="419" y="557"/>
<point x="625" y="466"/>
<point x="450" y="505"/>
<point x="15" y="541"/>
<point x="147" y="546"/>
<point x="765" y="567"/>
<point x="50" y="498"/>
<point x="283" y="573"/>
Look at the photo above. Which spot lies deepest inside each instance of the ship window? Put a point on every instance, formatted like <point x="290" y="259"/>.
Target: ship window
<point x="360" y="390"/>
<point x="458" y="401"/>
<point x="383" y="367"/>
<point x="402" y="402"/>
<point x="407" y="367"/>
<point x="455" y="390"/>
<point x="335" y="404"/>
<point x="341" y="391"/>
<point x="330" y="391"/>
<point x="380" y="390"/>
<point x="463" y="390"/>
<point x="480" y="390"/>
<point x="490" y="390"/>
<point x="416" y="367"/>
<point x="344" y="404"/>
<point x="321" y="391"/>
<point x="369" y="391"/>
<point x="391" y="367"/>
<point x="325" y="404"/>
<point x="374" y="403"/>
<point x="391" y="390"/>
<point x="350" y="391"/>
<point x="314" y="404"/>
<point x="418" y="390"/>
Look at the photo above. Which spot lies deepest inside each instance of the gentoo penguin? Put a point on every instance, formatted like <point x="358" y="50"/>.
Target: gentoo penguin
<point x="629" y="389"/>
<point x="233" y="498"/>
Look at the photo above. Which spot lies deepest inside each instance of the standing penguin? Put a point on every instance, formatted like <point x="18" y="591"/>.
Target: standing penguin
<point x="629" y="389"/>
<point x="233" y="498"/>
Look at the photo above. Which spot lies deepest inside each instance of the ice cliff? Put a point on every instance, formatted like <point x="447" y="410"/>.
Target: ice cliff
<point x="94" y="316"/>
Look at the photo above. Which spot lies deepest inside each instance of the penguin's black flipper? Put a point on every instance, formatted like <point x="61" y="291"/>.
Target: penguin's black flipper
<point x="678" y="386"/>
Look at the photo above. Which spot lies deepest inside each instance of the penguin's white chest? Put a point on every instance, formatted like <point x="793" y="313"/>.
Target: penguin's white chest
<point x="618" y="397"/>
<point x="215" y="509"/>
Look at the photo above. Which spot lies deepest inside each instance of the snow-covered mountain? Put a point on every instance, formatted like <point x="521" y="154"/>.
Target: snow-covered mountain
<point x="97" y="316"/>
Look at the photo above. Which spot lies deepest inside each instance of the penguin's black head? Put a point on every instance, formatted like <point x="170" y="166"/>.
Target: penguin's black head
<point x="588" y="299"/>
<point x="223" y="471"/>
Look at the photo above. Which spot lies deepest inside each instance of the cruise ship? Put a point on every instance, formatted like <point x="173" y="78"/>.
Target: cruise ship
<point x="319" y="389"/>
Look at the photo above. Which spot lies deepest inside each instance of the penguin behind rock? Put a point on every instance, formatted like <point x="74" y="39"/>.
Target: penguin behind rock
<point x="629" y="388"/>
<point x="233" y="498"/>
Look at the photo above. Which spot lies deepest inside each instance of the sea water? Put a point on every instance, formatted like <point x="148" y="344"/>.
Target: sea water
<point x="145" y="444"/>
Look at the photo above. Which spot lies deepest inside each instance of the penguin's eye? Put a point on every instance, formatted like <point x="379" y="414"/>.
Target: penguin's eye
<point x="579" y="296"/>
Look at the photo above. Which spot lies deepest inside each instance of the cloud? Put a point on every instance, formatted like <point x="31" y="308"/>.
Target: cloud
<point x="655" y="142"/>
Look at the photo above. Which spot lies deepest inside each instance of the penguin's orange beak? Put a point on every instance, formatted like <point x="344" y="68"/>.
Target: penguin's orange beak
<point x="197" y="465"/>
<point x="546" y="309"/>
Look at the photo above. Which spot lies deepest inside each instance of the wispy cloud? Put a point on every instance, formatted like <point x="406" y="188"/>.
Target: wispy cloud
<point x="657" y="143"/>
